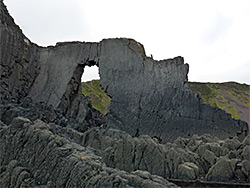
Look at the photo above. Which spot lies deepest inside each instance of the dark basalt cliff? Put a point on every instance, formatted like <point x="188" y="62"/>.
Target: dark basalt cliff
<point x="148" y="97"/>
<point x="53" y="144"/>
<point x="152" y="97"/>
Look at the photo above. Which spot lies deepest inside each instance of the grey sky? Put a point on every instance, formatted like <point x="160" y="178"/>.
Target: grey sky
<point x="211" y="35"/>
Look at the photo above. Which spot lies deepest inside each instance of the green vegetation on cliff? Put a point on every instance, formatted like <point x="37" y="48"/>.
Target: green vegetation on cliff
<point x="232" y="97"/>
<point x="99" y="99"/>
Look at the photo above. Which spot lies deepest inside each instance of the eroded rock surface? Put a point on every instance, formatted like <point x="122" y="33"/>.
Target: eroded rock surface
<point x="32" y="155"/>
<point x="152" y="97"/>
<point x="148" y="96"/>
<point x="51" y="76"/>
<point x="201" y="157"/>
<point x="54" y="143"/>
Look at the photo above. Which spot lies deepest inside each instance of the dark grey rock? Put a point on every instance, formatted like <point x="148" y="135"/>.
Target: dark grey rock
<point x="14" y="175"/>
<point x="35" y="155"/>
<point x="246" y="169"/>
<point x="154" y="98"/>
<point x="120" y="150"/>
<point x="232" y="144"/>
<point x="246" y="153"/>
<point x="222" y="170"/>
<point x="188" y="171"/>
<point x="57" y="146"/>
<point x="50" y="76"/>
<point x="148" y="96"/>
<point x="246" y="141"/>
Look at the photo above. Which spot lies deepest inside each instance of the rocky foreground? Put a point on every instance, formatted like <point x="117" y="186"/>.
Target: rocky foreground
<point x="36" y="154"/>
<point x="39" y="154"/>
<point x="50" y="136"/>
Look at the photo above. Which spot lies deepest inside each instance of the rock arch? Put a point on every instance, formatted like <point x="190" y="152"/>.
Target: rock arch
<point x="148" y="96"/>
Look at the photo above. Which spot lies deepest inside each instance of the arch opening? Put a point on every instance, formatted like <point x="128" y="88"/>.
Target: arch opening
<point x="90" y="73"/>
<point x="90" y="86"/>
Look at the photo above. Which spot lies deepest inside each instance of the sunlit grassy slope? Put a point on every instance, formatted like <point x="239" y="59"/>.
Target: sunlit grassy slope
<point x="232" y="97"/>
<point x="99" y="99"/>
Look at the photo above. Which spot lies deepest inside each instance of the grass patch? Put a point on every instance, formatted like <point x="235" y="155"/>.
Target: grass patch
<point x="227" y="96"/>
<point x="99" y="99"/>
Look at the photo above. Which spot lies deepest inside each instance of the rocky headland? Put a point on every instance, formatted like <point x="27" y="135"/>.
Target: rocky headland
<point x="232" y="97"/>
<point x="156" y="129"/>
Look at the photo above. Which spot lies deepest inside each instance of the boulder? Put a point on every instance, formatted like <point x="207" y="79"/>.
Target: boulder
<point x="232" y="144"/>
<point x="209" y="157"/>
<point x="222" y="170"/>
<point x="246" y="141"/>
<point x="246" y="169"/>
<point x="187" y="171"/>
<point x="246" y="153"/>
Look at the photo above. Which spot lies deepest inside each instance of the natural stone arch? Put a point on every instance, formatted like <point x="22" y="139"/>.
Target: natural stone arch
<point x="147" y="95"/>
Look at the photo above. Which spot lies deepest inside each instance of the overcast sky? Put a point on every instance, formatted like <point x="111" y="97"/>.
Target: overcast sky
<point x="212" y="35"/>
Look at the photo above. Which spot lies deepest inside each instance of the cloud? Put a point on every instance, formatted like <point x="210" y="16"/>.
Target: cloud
<point x="218" y="29"/>
<point x="211" y="35"/>
<point x="47" y="22"/>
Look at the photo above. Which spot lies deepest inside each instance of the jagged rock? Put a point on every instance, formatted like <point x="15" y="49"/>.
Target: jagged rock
<point x="13" y="175"/>
<point x="246" y="141"/>
<point x="209" y="157"/>
<point x="246" y="153"/>
<point x="246" y="169"/>
<point x="231" y="144"/>
<point x="47" y="149"/>
<point x="119" y="150"/>
<point x="181" y="142"/>
<point x="187" y="171"/>
<point x="223" y="170"/>
<point x="214" y="148"/>
<point x="46" y="157"/>
<point x="169" y="106"/>
<point x="167" y="109"/>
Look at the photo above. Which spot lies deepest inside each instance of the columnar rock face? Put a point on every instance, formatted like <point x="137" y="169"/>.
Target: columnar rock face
<point x="49" y="75"/>
<point x="152" y="97"/>
<point x="53" y="144"/>
<point x="148" y="97"/>
<point x="19" y="60"/>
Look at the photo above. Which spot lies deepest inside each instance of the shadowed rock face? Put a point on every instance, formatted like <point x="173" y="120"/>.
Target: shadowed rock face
<point x="152" y="97"/>
<point x="148" y="97"/>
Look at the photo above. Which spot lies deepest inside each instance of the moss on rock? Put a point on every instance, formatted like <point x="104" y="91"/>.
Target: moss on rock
<point x="99" y="99"/>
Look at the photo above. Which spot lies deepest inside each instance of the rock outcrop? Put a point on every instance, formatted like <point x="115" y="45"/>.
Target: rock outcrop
<point x="148" y="97"/>
<point x="32" y="156"/>
<point x="232" y="97"/>
<point x="200" y="157"/>
<point x="152" y="97"/>
<point x="50" y="136"/>
<point x="51" y="76"/>
<point x="36" y="153"/>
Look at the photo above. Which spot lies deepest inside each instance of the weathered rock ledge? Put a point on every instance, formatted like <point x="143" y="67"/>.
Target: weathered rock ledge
<point x="33" y="156"/>
<point x="148" y="97"/>
<point x="200" y="157"/>
<point x="60" y="144"/>
<point x="34" y="153"/>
